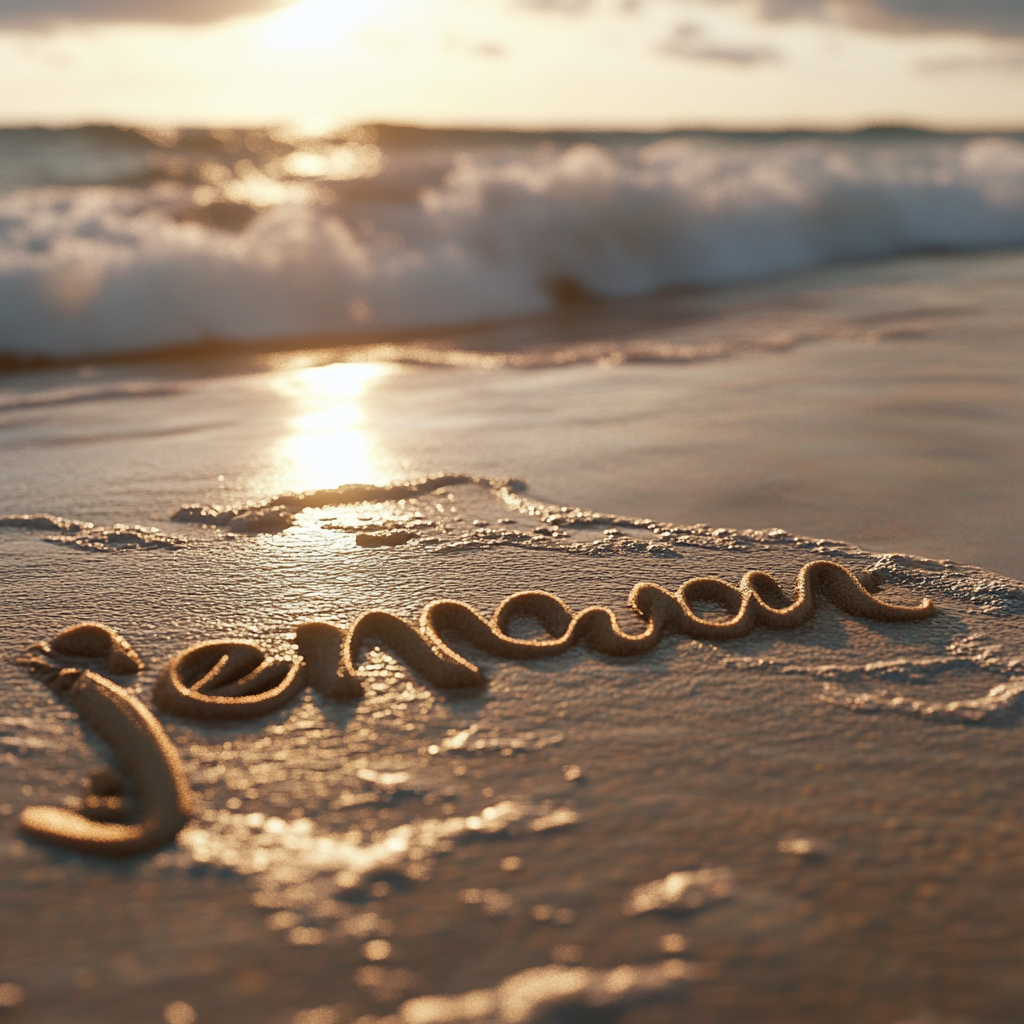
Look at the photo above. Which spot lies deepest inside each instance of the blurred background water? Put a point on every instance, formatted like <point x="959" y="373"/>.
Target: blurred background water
<point x="118" y="240"/>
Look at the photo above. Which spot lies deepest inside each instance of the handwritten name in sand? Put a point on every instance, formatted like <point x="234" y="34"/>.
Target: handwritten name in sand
<point x="224" y="679"/>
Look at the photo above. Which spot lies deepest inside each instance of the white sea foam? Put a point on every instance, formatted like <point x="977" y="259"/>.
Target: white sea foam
<point x="499" y="232"/>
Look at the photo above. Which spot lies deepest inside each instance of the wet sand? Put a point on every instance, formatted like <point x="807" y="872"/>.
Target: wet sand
<point x="797" y="825"/>
<point x="853" y="779"/>
<point x="891" y="416"/>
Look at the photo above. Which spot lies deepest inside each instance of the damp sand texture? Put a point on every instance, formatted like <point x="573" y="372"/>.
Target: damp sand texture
<point x="225" y="679"/>
<point x="822" y="844"/>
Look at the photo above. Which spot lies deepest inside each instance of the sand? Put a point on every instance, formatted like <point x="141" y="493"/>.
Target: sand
<point x="226" y="679"/>
<point x="844" y="789"/>
<point x="750" y="825"/>
<point x="879" y="403"/>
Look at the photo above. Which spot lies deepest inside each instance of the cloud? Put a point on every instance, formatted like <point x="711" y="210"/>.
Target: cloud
<point x="983" y="17"/>
<point x="493" y="50"/>
<point x="986" y="17"/>
<point x="45" y="13"/>
<point x="998" y="63"/>
<point x="688" y="42"/>
<point x="561" y="6"/>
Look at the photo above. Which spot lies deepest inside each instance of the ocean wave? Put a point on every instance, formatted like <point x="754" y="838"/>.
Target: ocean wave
<point x="477" y="232"/>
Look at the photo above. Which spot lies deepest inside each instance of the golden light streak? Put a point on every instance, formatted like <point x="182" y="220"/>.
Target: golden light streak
<point x="329" y="441"/>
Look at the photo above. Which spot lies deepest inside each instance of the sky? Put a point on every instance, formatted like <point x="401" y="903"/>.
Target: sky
<point x="635" y="64"/>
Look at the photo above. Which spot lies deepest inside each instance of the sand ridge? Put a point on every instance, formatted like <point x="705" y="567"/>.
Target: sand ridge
<point x="235" y="679"/>
<point x="143" y="748"/>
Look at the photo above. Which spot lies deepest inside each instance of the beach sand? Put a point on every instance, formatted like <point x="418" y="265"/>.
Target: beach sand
<point x="878" y="403"/>
<point x="844" y="793"/>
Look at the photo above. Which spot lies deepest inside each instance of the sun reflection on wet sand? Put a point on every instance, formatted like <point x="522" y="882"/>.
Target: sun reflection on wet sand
<point x="329" y="439"/>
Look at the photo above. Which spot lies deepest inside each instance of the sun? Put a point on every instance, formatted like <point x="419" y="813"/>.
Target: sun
<point x="316" y="23"/>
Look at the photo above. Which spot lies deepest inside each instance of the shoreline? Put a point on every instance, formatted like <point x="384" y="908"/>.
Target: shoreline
<point x="575" y="320"/>
<point x="903" y="434"/>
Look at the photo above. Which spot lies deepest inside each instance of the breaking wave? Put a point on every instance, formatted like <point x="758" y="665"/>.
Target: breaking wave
<point x="388" y="233"/>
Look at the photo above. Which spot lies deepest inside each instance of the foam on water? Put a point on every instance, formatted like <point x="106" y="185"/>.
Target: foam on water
<point x="468" y="230"/>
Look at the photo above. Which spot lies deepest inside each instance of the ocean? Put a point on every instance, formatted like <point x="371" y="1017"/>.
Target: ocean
<point x="123" y="241"/>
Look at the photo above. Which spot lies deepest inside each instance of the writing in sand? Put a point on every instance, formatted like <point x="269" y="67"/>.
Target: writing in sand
<point x="224" y="679"/>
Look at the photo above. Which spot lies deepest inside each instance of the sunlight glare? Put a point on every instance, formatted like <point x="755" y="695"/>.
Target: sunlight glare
<point x="316" y="23"/>
<point x="329" y="442"/>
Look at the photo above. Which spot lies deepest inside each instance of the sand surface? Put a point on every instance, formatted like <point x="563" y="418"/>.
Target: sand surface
<point x="819" y="824"/>
<point x="852" y="783"/>
<point x="879" y="403"/>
